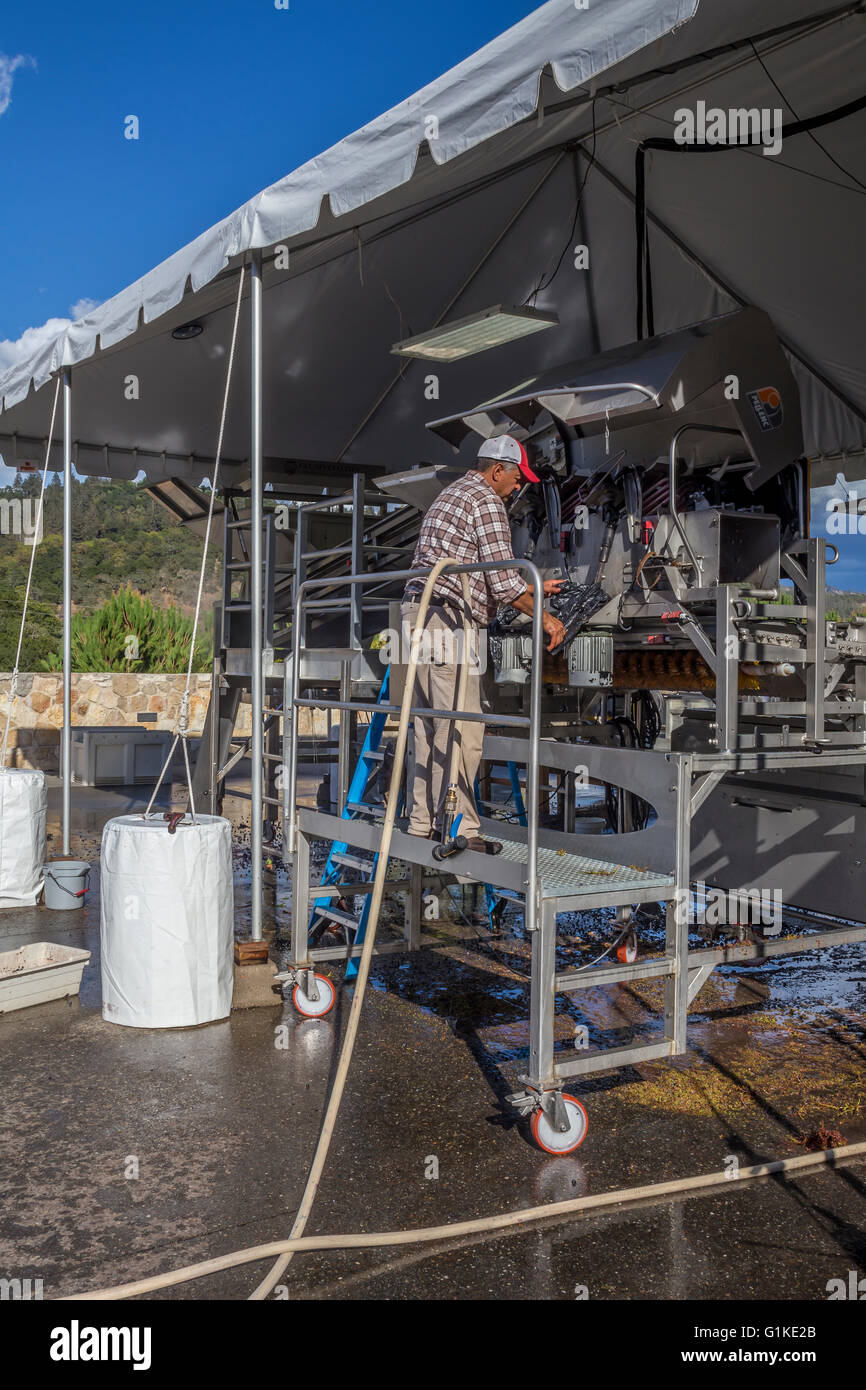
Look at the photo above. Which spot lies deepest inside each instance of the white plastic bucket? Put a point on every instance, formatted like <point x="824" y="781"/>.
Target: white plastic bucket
<point x="167" y="922"/>
<point x="66" y="883"/>
<point x="22" y="836"/>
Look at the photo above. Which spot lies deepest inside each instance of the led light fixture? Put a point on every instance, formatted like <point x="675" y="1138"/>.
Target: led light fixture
<point x="463" y="337"/>
<point x="187" y="330"/>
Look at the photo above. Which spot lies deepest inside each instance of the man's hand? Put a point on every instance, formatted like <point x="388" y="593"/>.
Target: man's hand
<point x="553" y="628"/>
<point x="524" y="603"/>
<point x="552" y="586"/>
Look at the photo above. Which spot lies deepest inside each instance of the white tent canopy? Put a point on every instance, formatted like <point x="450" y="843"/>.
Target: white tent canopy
<point x="466" y="195"/>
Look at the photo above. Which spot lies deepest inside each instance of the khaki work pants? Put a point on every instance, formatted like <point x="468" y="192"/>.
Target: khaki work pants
<point x="436" y="685"/>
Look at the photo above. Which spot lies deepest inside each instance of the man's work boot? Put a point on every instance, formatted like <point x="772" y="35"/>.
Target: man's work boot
<point x="482" y="846"/>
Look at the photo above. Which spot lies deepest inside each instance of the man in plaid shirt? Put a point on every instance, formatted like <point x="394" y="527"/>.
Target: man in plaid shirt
<point x="468" y="523"/>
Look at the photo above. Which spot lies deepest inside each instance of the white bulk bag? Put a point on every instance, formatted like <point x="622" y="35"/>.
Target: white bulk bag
<point x="22" y="836"/>
<point x="167" y="922"/>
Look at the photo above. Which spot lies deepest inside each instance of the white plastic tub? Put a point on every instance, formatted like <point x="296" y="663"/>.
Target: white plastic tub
<point x="166" y="922"/>
<point x="34" y="974"/>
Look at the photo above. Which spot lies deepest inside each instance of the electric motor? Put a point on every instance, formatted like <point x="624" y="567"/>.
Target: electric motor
<point x="590" y="659"/>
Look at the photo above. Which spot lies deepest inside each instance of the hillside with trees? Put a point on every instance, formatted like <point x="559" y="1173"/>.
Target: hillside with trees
<point x="121" y="539"/>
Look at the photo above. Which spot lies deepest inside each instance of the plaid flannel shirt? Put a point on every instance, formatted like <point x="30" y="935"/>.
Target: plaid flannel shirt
<point x="468" y="522"/>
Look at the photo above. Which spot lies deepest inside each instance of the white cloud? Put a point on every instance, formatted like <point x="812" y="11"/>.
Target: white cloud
<point x="31" y="341"/>
<point x="8" y="68"/>
<point x="82" y="307"/>
<point x="13" y="351"/>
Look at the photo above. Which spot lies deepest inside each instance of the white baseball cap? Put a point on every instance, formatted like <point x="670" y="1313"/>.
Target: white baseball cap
<point x="504" y="448"/>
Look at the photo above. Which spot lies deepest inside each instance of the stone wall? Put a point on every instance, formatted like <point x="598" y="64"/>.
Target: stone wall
<point x="98" y="700"/>
<point x="109" y="700"/>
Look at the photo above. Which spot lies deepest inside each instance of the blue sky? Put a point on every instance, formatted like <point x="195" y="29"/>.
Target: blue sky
<point x="231" y="95"/>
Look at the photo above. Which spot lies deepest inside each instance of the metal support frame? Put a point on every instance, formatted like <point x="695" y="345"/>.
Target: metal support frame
<point x="547" y="1069"/>
<point x="727" y="669"/>
<point x="214" y="727"/>
<point x="413" y="907"/>
<point x="66" y="731"/>
<point x="256" y="598"/>
<point x="816" y="638"/>
<point x="677" y="917"/>
<point x="301" y="952"/>
<point x="698" y="976"/>
<point x="289" y="764"/>
<point x="355" y="595"/>
<point x="542" y="1001"/>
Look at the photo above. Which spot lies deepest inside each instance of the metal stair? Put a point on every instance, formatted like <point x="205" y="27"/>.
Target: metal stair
<point x="325" y="909"/>
<point x="495" y="902"/>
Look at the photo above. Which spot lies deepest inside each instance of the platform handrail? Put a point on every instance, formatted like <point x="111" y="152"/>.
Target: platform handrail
<point x="294" y="702"/>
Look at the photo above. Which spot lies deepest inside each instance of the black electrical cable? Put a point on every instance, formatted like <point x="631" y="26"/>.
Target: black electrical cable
<point x="543" y="283"/>
<point x="650" y="718"/>
<point x="635" y="808"/>
<point x="643" y="275"/>
<point x="813" y="138"/>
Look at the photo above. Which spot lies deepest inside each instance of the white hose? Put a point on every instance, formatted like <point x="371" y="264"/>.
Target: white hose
<point x="550" y="1211"/>
<point x="336" y="1096"/>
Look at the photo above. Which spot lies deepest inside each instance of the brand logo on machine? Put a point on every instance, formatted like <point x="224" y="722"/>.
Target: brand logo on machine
<point x="767" y="405"/>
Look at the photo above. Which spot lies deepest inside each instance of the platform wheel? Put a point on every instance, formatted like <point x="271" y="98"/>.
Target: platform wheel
<point x="547" y="1138"/>
<point x="315" y="1008"/>
<point x="626" y="952"/>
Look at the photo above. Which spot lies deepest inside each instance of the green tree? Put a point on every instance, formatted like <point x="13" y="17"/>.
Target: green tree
<point x="129" y="633"/>
<point x="42" y="631"/>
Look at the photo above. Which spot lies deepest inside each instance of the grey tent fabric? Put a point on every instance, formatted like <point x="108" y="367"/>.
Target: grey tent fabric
<point x="405" y="224"/>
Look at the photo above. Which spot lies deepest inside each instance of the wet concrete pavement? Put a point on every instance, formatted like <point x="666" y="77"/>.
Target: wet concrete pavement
<point x="220" y="1124"/>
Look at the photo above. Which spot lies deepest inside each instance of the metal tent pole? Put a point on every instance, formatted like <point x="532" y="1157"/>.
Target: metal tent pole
<point x="344" y="745"/>
<point x="257" y="520"/>
<point x="66" y="732"/>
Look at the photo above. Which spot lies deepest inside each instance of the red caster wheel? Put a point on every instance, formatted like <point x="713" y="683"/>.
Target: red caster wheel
<point x="315" y="1008"/>
<point x="626" y="952"/>
<point x="547" y="1138"/>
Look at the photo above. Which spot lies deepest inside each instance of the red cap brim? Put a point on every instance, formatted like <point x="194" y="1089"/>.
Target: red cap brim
<point x="523" y="465"/>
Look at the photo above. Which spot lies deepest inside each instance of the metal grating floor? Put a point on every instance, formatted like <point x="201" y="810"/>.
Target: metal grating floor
<point x="564" y="875"/>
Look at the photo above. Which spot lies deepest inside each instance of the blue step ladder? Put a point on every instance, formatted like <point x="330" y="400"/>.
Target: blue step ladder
<point x="341" y="856"/>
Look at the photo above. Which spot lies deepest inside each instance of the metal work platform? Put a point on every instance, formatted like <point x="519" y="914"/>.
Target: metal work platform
<point x="573" y="881"/>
